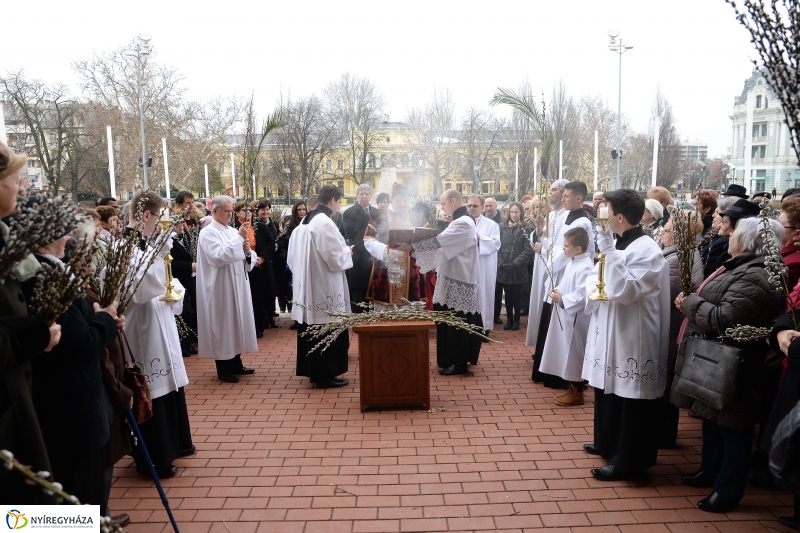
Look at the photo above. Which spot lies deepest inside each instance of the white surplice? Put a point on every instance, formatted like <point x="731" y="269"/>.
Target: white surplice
<point x="560" y="260"/>
<point x="454" y="255"/>
<point x="626" y="349"/>
<point x="488" y="245"/>
<point x="151" y="330"/>
<point x="318" y="257"/>
<point x="541" y="284"/>
<point x="564" y="349"/>
<point x="225" y="322"/>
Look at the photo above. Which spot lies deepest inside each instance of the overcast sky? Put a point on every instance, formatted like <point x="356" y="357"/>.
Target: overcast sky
<point x="694" y="49"/>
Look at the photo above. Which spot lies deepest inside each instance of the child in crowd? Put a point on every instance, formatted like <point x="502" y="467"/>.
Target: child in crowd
<point x="569" y="325"/>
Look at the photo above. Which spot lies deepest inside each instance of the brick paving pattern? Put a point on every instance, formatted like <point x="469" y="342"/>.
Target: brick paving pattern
<point x="275" y="455"/>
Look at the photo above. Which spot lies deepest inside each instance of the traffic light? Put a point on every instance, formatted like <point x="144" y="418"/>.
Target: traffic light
<point x="149" y="162"/>
<point x="613" y="154"/>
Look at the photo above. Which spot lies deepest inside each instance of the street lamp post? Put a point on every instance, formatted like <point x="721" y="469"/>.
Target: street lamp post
<point x="618" y="49"/>
<point x="141" y="48"/>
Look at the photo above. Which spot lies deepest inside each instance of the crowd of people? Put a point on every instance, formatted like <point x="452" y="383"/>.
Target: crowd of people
<point x="236" y="265"/>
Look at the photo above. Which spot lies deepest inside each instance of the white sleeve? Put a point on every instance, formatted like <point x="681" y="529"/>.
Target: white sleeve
<point x="375" y="248"/>
<point x="220" y="253"/>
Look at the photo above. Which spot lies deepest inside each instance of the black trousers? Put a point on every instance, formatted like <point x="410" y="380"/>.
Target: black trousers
<point x="513" y="300"/>
<point x="357" y="296"/>
<point x="625" y="431"/>
<point x="167" y="433"/>
<point x="726" y="454"/>
<point x="498" y="301"/>
<point x="229" y="366"/>
<point x="456" y="346"/>
<point x="80" y="472"/>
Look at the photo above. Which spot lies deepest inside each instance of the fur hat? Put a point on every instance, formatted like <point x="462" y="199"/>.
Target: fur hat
<point x="10" y="162"/>
<point x="654" y="207"/>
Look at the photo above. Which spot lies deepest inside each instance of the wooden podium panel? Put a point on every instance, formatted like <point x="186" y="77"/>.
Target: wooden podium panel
<point x="393" y="363"/>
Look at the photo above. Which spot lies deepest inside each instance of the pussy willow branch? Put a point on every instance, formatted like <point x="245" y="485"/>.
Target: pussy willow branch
<point x="328" y="333"/>
<point x="142" y="263"/>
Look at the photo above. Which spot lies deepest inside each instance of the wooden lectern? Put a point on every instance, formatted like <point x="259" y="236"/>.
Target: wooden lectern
<point x="393" y="363"/>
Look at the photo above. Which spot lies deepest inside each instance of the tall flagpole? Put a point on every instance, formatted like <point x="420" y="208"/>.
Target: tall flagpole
<point x="560" y="159"/>
<point x="166" y="165"/>
<point x="516" y="176"/>
<point x="595" y="160"/>
<point x="535" y="166"/>
<point x="233" y="176"/>
<point x="656" y="130"/>
<point x="205" y="167"/>
<point x="110" y="162"/>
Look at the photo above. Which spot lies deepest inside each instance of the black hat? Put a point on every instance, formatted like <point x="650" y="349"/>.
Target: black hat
<point x="742" y="209"/>
<point x="736" y="190"/>
<point x="762" y="194"/>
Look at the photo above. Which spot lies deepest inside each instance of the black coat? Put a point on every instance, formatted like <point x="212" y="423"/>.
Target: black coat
<point x="265" y="247"/>
<point x="717" y="254"/>
<point x="513" y="256"/>
<point x="354" y="223"/>
<point x="789" y="389"/>
<point x="182" y="266"/>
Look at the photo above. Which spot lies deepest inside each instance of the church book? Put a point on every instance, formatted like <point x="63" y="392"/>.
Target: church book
<point x="410" y="235"/>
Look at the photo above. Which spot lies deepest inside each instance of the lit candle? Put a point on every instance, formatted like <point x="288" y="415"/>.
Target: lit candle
<point x="603" y="213"/>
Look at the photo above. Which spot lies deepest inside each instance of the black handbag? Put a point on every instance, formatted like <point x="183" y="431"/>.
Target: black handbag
<point x="712" y="371"/>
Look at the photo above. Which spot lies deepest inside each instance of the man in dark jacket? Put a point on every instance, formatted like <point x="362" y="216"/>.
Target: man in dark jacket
<point x="490" y="211"/>
<point x="354" y="223"/>
<point x="265" y="248"/>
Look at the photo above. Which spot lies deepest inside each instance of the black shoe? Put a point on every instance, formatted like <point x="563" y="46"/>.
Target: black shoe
<point x="244" y="371"/>
<point x="715" y="503"/>
<point x="609" y="473"/>
<point x="765" y="481"/>
<point x="515" y="326"/>
<point x="792" y="522"/>
<point x="508" y="325"/>
<point x="591" y="449"/>
<point x="272" y="325"/>
<point x="187" y="452"/>
<point x="698" y="479"/>
<point x="259" y="334"/>
<point x="163" y="472"/>
<point x="294" y="326"/>
<point x="192" y="350"/>
<point x="228" y="378"/>
<point x="185" y="353"/>
<point x="452" y="370"/>
<point x="498" y="321"/>
<point x="334" y="383"/>
<point x="276" y="315"/>
<point x="694" y="415"/>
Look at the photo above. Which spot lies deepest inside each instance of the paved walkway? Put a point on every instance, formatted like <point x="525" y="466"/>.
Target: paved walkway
<point x="275" y="455"/>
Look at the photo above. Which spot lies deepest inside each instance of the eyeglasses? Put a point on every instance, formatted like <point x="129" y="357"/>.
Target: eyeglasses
<point x="472" y="205"/>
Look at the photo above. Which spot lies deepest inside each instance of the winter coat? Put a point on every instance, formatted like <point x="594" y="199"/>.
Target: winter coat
<point x="789" y="389"/>
<point x="676" y="317"/>
<point x="717" y="254"/>
<point x="513" y="256"/>
<point x="745" y="297"/>
<point x="791" y="258"/>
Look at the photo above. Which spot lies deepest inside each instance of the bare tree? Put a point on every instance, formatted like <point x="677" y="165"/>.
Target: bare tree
<point x="43" y="118"/>
<point x="254" y="138"/>
<point x="774" y="27"/>
<point x="669" y="164"/>
<point x="431" y="134"/>
<point x="311" y="136"/>
<point x="480" y="136"/>
<point x="356" y="106"/>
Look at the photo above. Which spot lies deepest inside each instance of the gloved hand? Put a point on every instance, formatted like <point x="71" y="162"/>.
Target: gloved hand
<point x="605" y="239"/>
<point x="166" y="248"/>
<point x="546" y="244"/>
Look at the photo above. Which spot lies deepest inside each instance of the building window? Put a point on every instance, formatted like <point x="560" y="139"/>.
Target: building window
<point x="328" y="164"/>
<point x="340" y="164"/>
<point x="221" y="167"/>
<point x="759" y="152"/>
<point x="447" y="163"/>
<point x="496" y="163"/>
<point x="485" y="187"/>
<point x="340" y="185"/>
<point x="460" y="187"/>
<point x="388" y="140"/>
<point x="404" y="160"/>
<point x="758" y="102"/>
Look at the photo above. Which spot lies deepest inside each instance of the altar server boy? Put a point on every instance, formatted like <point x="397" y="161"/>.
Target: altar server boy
<point x="569" y="325"/>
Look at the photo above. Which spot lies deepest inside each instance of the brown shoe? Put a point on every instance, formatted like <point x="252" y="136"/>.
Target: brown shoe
<point x="571" y="398"/>
<point x="121" y="520"/>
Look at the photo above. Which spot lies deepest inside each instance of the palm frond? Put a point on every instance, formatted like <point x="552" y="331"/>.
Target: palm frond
<point x="274" y="122"/>
<point x="525" y="104"/>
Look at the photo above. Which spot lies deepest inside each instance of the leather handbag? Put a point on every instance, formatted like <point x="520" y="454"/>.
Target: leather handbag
<point x="136" y="381"/>
<point x="712" y="371"/>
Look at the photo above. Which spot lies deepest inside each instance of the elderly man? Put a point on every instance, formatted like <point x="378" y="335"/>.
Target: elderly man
<point x="318" y="258"/>
<point x="355" y="220"/>
<point x="226" y="326"/>
<point x="488" y="245"/>
<point x="490" y="211"/>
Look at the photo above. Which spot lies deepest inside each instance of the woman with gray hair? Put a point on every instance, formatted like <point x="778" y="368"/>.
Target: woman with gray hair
<point x="713" y="246"/>
<point x="738" y="293"/>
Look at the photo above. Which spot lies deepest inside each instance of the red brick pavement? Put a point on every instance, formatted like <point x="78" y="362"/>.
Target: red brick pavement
<point x="275" y="455"/>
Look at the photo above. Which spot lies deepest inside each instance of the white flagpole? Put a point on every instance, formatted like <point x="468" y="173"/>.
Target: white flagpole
<point x="205" y="167"/>
<point x="233" y="176"/>
<point x="595" y="159"/>
<point x="110" y="162"/>
<point x="535" y="166"/>
<point x="560" y="159"/>
<point x="166" y="165"/>
<point x="655" y="151"/>
<point x="3" y="134"/>
<point x="516" y="176"/>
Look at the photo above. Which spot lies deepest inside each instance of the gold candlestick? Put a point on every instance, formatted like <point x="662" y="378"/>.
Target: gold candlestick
<point x="169" y="295"/>
<point x="600" y="295"/>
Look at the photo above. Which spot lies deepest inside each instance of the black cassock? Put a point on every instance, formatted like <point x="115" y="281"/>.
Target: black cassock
<point x="321" y="366"/>
<point x="626" y="431"/>
<point x="456" y="346"/>
<point x="548" y="380"/>
<point x="167" y="433"/>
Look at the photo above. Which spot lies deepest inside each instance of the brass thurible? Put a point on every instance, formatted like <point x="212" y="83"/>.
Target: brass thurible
<point x="169" y="295"/>
<point x="600" y="295"/>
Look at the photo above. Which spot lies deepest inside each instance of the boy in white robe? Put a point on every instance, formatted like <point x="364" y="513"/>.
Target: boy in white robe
<point x="569" y="326"/>
<point x="626" y="351"/>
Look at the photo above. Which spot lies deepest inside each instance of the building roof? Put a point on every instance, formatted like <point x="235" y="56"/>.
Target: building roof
<point x="749" y="85"/>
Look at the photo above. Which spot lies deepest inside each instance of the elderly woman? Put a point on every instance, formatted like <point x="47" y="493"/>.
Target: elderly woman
<point x="738" y="293"/>
<point x="653" y="213"/>
<point x="790" y="244"/>
<point x="512" y="260"/>
<point x="668" y="429"/>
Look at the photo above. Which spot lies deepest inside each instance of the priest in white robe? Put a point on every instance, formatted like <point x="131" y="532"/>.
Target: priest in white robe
<point x="572" y="199"/>
<point x="318" y="257"/>
<point x="225" y="323"/>
<point x="155" y="346"/>
<point x="454" y="255"/>
<point x="626" y="351"/>
<point x="488" y="245"/>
